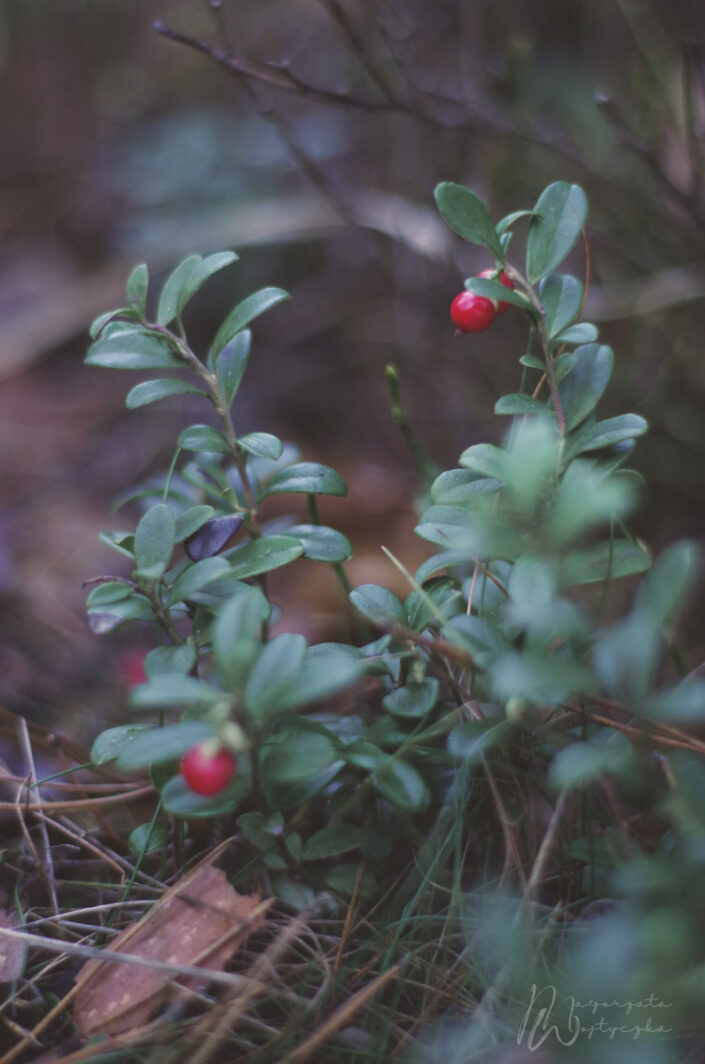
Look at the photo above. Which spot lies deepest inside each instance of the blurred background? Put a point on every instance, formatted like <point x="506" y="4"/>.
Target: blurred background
<point x="309" y="135"/>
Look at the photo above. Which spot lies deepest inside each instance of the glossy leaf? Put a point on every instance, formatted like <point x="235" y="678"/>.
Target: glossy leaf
<point x="310" y="478"/>
<point x="580" y="764"/>
<point x="110" y="743"/>
<point x="498" y="292"/>
<point x="245" y="312"/>
<point x="560" y="214"/>
<point x="412" y="700"/>
<point x="604" y="561"/>
<point x="263" y="555"/>
<point x="582" y="388"/>
<point x="154" y="542"/>
<point x="275" y="670"/>
<point x="173" y="296"/>
<point x="672" y="578"/>
<point x="195" y="577"/>
<point x="158" y="745"/>
<point x="204" y="438"/>
<point x="561" y="297"/>
<point x="333" y="840"/>
<point x="262" y="444"/>
<point x="170" y="660"/>
<point x="131" y="348"/>
<point x="204" y="269"/>
<point x="402" y="785"/>
<point x="141" y="840"/>
<point x="378" y="604"/>
<point x="232" y="363"/>
<point x="170" y="690"/>
<point x="179" y="799"/>
<point x="683" y="703"/>
<point x="520" y="404"/>
<point x="152" y="391"/>
<point x="137" y="286"/>
<point x="322" y="544"/>
<point x="467" y="215"/>
<point x="583" y="332"/>
<point x="593" y="437"/>
<point x="188" y="522"/>
<point x="236" y="635"/>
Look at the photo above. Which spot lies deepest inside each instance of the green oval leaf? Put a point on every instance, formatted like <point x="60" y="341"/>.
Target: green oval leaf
<point x="276" y="668"/>
<point x="153" y="391"/>
<point x="609" y="560"/>
<point x="378" y="604"/>
<point x="204" y="438"/>
<point x="190" y="521"/>
<point x="180" y="800"/>
<point x="498" y="292"/>
<point x="236" y="635"/>
<point x="171" y="300"/>
<point x="584" y="332"/>
<point x="148" y="839"/>
<point x="232" y="363"/>
<point x="583" y="386"/>
<point x="137" y="285"/>
<point x="157" y="745"/>
<point x="413" y="700"/>
<point x="322" y="544"/>
<point x="560" y="214"/>
<point x="402" y="785"/>
<point x="263" y="555"/>
<point x="521" y="404"/>
<point x="467" y="215"/>
<point x="110" y="743"/>
<point x="245" y="312"/>
<point x="131" y="348"/>
<point x="561" y="298"/>
<point x="170" y="659"/>
<point x="333" y="840"/>
<point x="154" y="542"/>
<point x="170" y="690"/>
<point x="196" y="577"/>
<point x="605" y="434"/>
<point x="310" y="478"/>
<point x="262" y="444"/>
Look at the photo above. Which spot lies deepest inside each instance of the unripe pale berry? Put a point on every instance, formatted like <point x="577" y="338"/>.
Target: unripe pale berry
<point x="472" y="313"/>
<point x="492" y="275"/>
<point x="207" y="769"/>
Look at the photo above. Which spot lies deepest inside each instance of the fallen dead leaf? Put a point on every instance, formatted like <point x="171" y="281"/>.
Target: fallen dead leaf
<point x="13" y="952"/>
<point x="200" y="920"/>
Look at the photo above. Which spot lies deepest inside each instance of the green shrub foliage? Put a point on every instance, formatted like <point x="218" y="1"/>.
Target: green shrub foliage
<point x="503" y="700"/>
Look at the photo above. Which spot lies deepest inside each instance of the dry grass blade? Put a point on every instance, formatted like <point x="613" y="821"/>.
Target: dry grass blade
<point x="13" y="952"/>
<point x="342" y="1016"/>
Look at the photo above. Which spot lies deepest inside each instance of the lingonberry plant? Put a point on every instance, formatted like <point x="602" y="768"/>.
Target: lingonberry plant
<point x="500" y="687"/>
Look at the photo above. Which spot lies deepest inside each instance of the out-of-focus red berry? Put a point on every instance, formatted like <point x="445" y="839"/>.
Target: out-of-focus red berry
<point x="131" y="667"/>
<point x="207" y="770"/>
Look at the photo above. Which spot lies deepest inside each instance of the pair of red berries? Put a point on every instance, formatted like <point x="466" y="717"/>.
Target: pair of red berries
<point x="473" y="313"/>
<point x="208" y="768"/>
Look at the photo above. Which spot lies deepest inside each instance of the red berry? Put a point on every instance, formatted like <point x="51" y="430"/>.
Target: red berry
<point x="472" y="313"/>
<point x="503" y="279"/>
<point x="207" y="770"/>
<point x="131" y="666"/>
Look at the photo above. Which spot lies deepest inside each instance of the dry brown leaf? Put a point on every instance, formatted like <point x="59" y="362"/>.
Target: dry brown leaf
<point x="200" y="920"/>
<point x="13" y="952"/>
